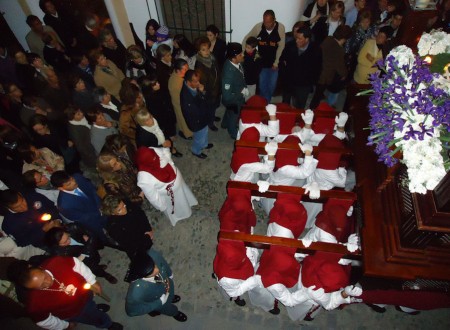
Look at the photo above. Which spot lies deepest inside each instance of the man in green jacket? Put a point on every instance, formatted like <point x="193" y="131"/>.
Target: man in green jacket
<point x="151" y="289"/>
<point x="234" y="89"/>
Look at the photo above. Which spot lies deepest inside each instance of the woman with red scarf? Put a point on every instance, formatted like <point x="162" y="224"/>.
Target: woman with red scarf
<point x="163" y="185"/>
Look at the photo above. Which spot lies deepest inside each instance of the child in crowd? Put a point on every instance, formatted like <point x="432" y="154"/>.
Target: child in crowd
<point x="252" y="65"/>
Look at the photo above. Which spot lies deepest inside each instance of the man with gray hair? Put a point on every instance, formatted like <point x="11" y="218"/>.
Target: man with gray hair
<point x="113" y="49"/>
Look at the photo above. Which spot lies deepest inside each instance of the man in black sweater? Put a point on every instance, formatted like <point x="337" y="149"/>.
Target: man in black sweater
<point x="196" y="112"/>
<point x="300" y="66"/>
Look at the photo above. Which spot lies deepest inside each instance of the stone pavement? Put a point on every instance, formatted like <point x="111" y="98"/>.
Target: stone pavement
<point x="189" y="247"/>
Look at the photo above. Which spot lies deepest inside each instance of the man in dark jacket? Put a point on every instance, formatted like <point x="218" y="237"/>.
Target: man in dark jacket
<point x="196" y="112"/>
<point x="300" y="66"/>
<point x="78" y="202"/>
<point x="271" y="39"/>
<point x="25" y="220"/>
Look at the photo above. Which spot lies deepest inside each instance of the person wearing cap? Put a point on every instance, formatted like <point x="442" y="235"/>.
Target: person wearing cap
<point x="287" y="217"/>
<point x="279" y="274"/>
<point x="246" y="166"/>
<point x="326" y="284"/>
<point x="163" y="184"/>
<point x="333" y="224"/>
<point x="271" y="40"/>
<point x="253" y="119"/>
<point x="237" y="212"/>
<point x="234" y="89"/>
<point x="151" y="289"/>
<point x="162" y="37"/>
<point x="234" y="269"/>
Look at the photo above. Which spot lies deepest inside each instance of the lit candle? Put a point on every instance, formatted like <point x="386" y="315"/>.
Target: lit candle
<point x="46" y="217"/>
<point x="446" y="71"/>
<point x="102" y="295"/>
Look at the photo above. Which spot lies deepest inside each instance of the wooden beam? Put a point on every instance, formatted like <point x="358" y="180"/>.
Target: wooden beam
<point x="264" y="242"/>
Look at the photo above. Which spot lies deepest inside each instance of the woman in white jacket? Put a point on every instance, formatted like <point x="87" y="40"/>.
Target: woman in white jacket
<point x="163" y="185"/>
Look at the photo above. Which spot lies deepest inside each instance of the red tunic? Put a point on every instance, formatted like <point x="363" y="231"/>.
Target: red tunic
<point x="40" y="303"/>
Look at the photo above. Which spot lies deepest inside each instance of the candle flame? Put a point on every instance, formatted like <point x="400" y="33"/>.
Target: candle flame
<point x="87" y="286"/>
<point x="427" y="59"/>
<point x="46" y="217"/>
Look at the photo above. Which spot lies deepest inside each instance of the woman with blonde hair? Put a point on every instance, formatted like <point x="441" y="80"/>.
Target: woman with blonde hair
<point x="138" y="64"/>
<point x="149" y="134"/>
<point x="119" y="179"/>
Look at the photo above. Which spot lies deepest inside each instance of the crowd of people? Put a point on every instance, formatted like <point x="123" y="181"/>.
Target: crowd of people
<point x="80" y="105"/>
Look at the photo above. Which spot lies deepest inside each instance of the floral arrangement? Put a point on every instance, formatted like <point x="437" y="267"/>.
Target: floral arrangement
<point x="410" y="112"/>
<point x="434" y="43"/>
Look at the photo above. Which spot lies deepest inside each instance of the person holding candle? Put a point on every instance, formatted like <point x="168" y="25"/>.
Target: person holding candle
<point x="151" y="289"/>
<point x="57" y="297"/>
<point x="74" y="241"/>
<point x="28" y="217"/>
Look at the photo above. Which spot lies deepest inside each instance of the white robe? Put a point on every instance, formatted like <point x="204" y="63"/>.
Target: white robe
<point x="231" y="287"/>
<point x="272" y="129"/>
<point x="156" y="193"/>
<point x="289" y="175"/>
<point x="265" y="297"/>
<point x="250" y="172"/>
<point x="274" y="229"/>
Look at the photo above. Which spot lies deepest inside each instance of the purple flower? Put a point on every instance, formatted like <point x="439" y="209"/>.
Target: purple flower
<point x="399" y="86"/>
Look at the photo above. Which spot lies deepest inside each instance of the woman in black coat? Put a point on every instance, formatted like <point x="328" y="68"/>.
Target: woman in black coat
<point x="128" y="225"/>
<point x="159" y="104"/>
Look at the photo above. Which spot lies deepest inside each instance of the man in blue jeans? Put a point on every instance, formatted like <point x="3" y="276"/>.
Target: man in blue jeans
<point x="196" y="111"/>
<point x="271" y="39"/>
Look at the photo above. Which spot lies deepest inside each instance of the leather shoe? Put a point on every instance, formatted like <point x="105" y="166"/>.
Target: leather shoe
<point x="181" y="134"/>
<point x="213" y="128"/>
<point x="180" y="317"/>
<point x="376" y="308"/>
<point x="176" y="298"/>
<point x="177" y="154"/>
<point x="240" y="302"/>
<point x="275" y="311"/>
<point x="103" y="308"/>
<point x="209" y="146"/>
<point x="115" y="326"/>
<point x="111" y="279"/>
<point x="201" y="155"/>
<point x="409" y="313"/>
<point x="154" y="313"/>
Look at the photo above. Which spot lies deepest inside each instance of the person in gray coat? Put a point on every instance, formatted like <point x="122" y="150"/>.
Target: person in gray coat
<point x="234" y="89"/>
<point x="102" y="127"/>
<point x="79" y="132"/>
<point x="151" y="289"/>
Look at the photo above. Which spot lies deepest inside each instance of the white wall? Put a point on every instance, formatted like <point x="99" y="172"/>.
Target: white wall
<point x="35" y="9"/>
<point x="15" y="17"/>
<point x="244" y="15"/>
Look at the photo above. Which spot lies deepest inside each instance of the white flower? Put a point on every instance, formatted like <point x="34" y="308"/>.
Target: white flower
<point x="433" y="43"/>
<point x="424" y="163"/>
<point x="403" y="55"/>
<point x="441" y="82"/>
